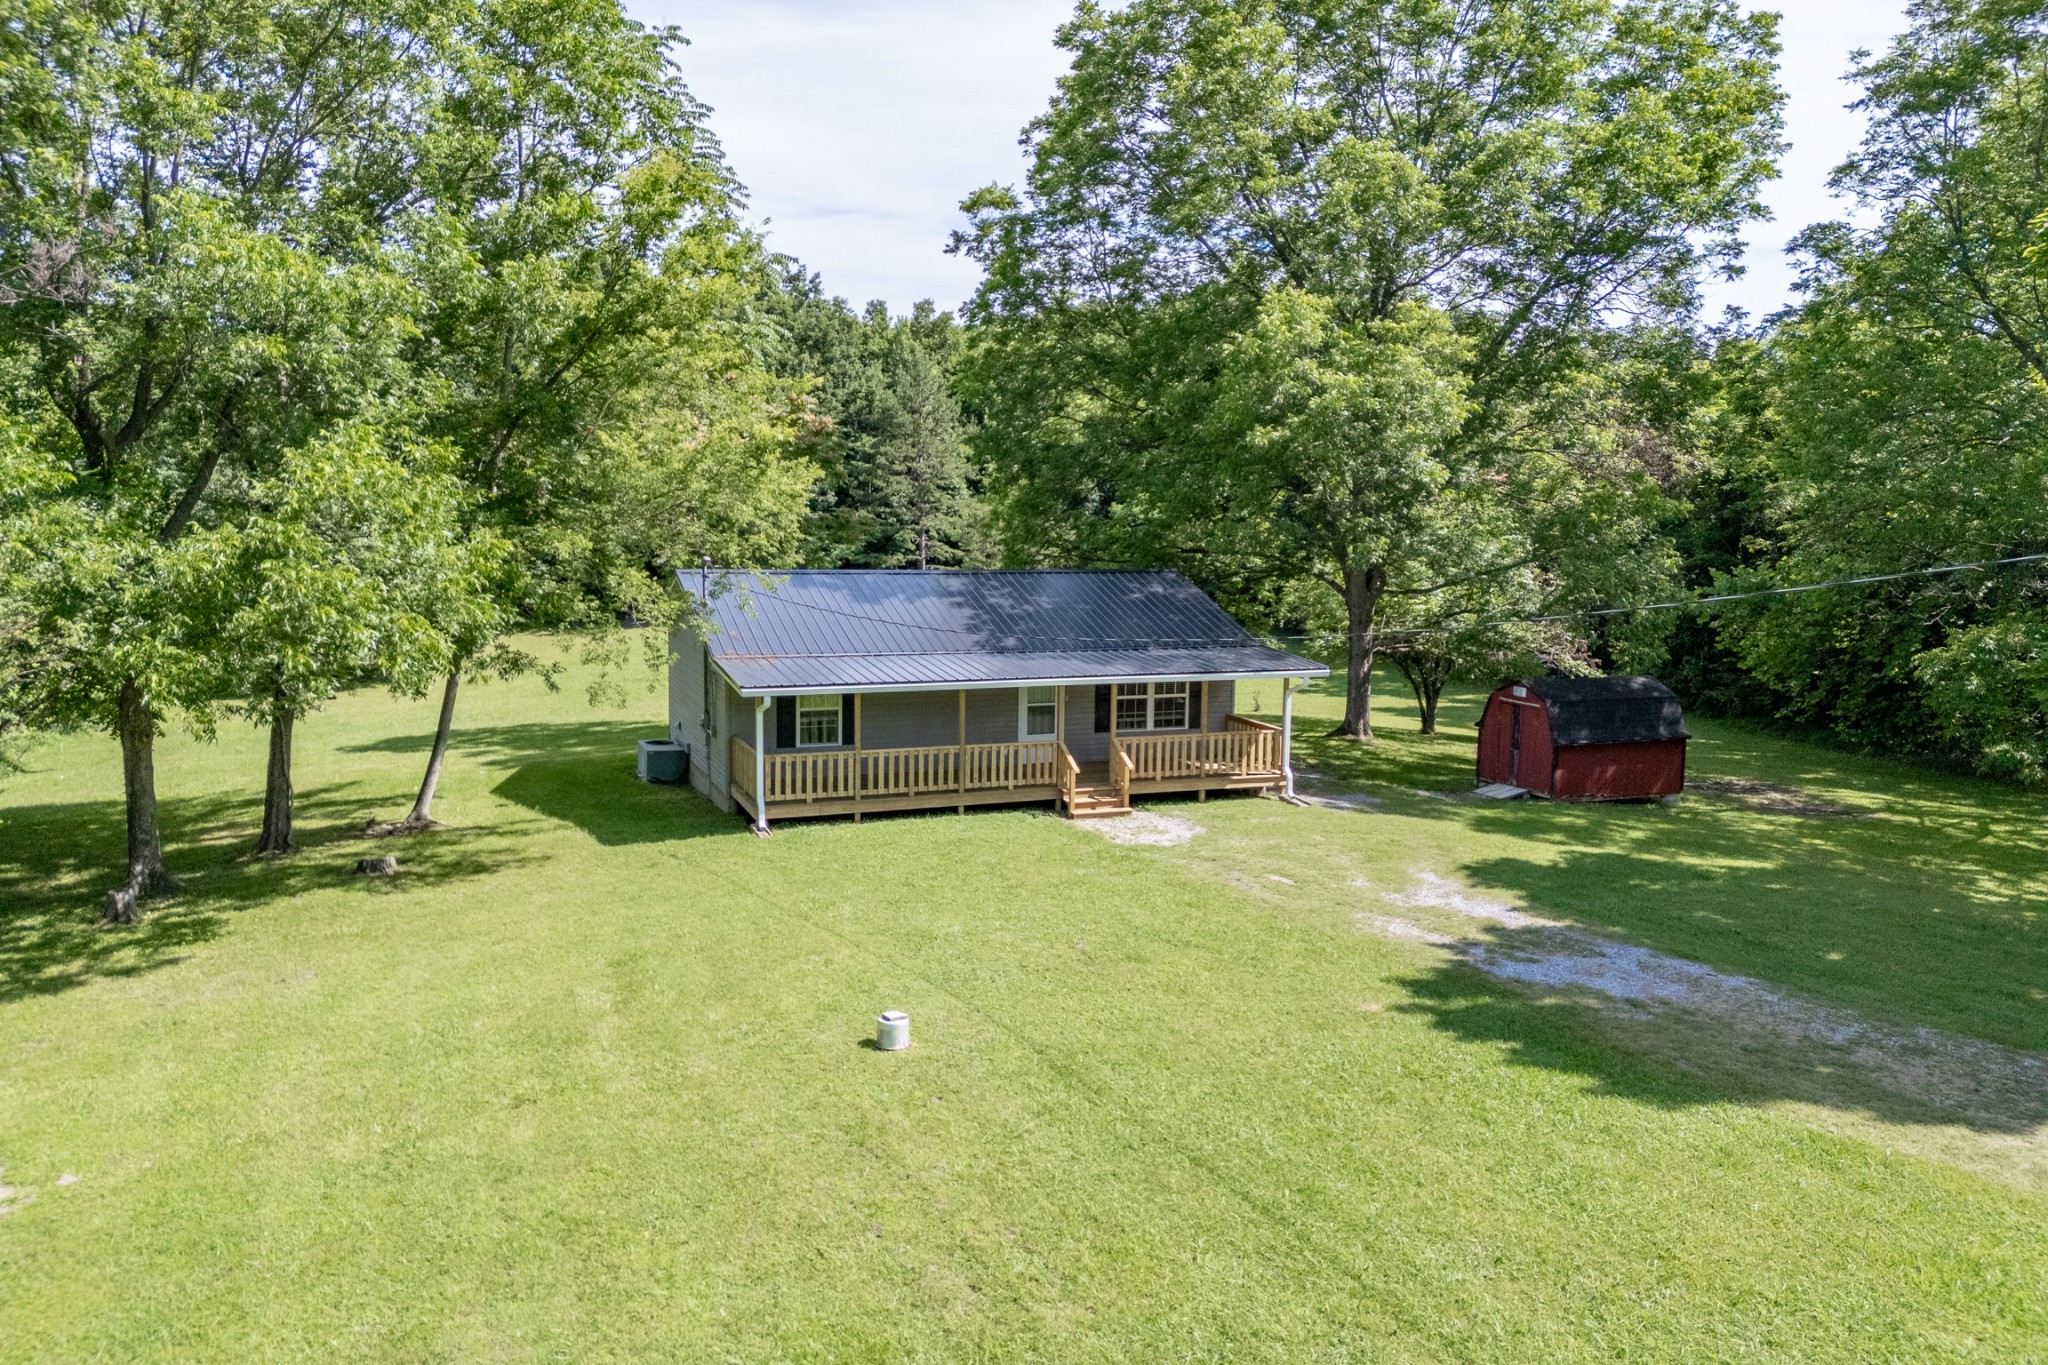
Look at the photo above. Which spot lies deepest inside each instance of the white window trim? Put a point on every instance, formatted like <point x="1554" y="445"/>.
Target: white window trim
<point x="1151" y="699"/>
<point x="1024" y="735"/>
<point x="838" y="740"/>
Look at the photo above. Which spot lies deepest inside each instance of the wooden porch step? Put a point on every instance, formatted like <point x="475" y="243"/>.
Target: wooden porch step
<point x="1092" y="802"/>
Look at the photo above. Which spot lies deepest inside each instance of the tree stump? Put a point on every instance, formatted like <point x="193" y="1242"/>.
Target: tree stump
<point x="120" y="906"/>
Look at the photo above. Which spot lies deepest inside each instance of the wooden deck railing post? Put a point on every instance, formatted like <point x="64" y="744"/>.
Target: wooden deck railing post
<point x="960" y="770"/>
<point x="857" y="764"/>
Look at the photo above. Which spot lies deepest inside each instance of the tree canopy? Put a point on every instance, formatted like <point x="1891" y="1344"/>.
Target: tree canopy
<point x="1287" y="276"/>
<point x="1897" y="419"/>
<point x="345" y="327"/>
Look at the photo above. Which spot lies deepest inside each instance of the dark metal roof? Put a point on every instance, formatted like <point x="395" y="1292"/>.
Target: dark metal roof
<point x="1610" y="710"/>
<point x="849" y="629"/>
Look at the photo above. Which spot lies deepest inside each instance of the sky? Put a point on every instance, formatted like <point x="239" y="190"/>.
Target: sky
<point x="859" y="125"/>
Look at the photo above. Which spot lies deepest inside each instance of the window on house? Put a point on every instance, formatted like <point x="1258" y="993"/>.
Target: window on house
<point x="1041" y="713"/>
<point x="817" y="721"/>
<point x="1169" y="706"/>
<point x="1152" y="706"/>
<point x="1133" y="706"/>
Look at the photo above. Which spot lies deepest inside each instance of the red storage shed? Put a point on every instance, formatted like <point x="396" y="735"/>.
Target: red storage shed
<point x="1585" y="739"/>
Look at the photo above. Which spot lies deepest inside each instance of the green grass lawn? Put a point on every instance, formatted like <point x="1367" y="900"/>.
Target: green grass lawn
<point x="587" y="1082"/>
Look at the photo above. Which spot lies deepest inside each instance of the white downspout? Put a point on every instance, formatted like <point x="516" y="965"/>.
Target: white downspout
<point x="1287" y="734"/>
<point x="761" y="705"/>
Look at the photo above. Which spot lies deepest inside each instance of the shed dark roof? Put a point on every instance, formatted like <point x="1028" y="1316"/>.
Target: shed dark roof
<point x="1610" y="710"/>
<point x="822" y="629"/>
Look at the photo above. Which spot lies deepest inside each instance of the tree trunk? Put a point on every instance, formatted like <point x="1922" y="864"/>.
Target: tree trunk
<point x="924" y="548"/>
<point x="423" y="805"/>
<point x="1426" y="698"/>
<point x="147" y="874"/>
<point x="1363" y="588"/>
<point x="277" y="789"/>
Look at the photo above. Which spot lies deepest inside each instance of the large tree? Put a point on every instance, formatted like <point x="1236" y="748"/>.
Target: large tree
<point x="921" y="466"/>
<point x="326" y="582"/>
<point x="575" y="229"/>
<point x="1379" y="231"/>
<point x="179" y="185"/>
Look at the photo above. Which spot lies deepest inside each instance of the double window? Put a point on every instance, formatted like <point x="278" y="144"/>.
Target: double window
<point x="817" y="722"/>
<point x="1039" y="713"/>
<point x="1152" y="706"/>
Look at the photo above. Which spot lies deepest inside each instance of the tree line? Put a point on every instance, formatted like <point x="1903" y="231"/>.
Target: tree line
<point x="342" y="342"/>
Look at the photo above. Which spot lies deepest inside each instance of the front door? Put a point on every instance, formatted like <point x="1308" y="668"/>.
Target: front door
<point x="1515" y="748"/>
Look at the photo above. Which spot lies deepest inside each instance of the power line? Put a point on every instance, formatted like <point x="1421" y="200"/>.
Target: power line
<point x="1689" y="602"/>
<point x="1801" y="587"/>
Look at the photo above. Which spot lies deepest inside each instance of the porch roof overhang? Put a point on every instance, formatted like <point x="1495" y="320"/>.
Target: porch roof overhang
<point x="812" y="674"/>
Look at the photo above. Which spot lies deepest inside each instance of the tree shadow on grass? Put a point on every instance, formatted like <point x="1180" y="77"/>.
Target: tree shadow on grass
<point x="1848" y="917"/>
<point x="1923" y="909"/>
<point x="513" y="744"/>
<point x="1682" y="1058"/>
<point x="585" y="775"/>
<point x="581" y="773"/>
<point x="51" y="938"/>
<point x="606" y="800"/>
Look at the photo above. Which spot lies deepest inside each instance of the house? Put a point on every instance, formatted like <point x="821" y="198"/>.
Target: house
<point x="851" y="692"/>
<point x="1585" y="739"/>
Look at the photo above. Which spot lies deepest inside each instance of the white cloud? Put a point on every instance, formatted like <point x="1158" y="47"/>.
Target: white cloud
<point x="859" y="125"/>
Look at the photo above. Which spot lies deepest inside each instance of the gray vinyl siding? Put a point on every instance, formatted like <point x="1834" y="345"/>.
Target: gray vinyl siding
<point x="889" y="720"/>
<point x="1222" y="701"/>
<point x="1087" y="746"/>
<point x="739" y="720"/>
<point x="687" y="717"/>
<point x="914" y="720"/>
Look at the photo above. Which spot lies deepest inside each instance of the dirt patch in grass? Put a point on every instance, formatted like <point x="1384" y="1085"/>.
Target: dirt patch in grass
<point x="1145" y="827"/>
<point x="1340" y="800"/>
<point x="1433" y="892"/>
<point x="1773" y="798"/>
<point x="1833" y="1051"/>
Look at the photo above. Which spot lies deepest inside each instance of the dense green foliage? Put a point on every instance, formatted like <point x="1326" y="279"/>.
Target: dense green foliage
<point x="1312" y="296"/>
<point x="901" y="490"/>
<point x="343" y="338"/>
<point x="1895" y="420"/>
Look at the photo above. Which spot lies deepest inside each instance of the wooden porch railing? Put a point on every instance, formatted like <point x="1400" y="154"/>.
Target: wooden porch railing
<point x="741" y="771"/>
<point x="840" y="774"/>
<point x="1242" y="748"/>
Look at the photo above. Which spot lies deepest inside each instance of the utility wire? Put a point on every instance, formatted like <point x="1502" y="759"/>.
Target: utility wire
<point x="1690" y="602"/>
<point x="1802" y="587"/>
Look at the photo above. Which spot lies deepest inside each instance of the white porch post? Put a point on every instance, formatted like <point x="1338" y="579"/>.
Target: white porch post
<point x="1287" y="733"/>
<point x="761" y="705"/>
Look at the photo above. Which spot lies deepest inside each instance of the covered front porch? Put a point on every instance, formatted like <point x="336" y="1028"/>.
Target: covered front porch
<point x="1229" y="753"/>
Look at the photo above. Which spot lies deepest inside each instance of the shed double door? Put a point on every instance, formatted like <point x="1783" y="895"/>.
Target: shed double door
<point x="1515" y="746"/>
